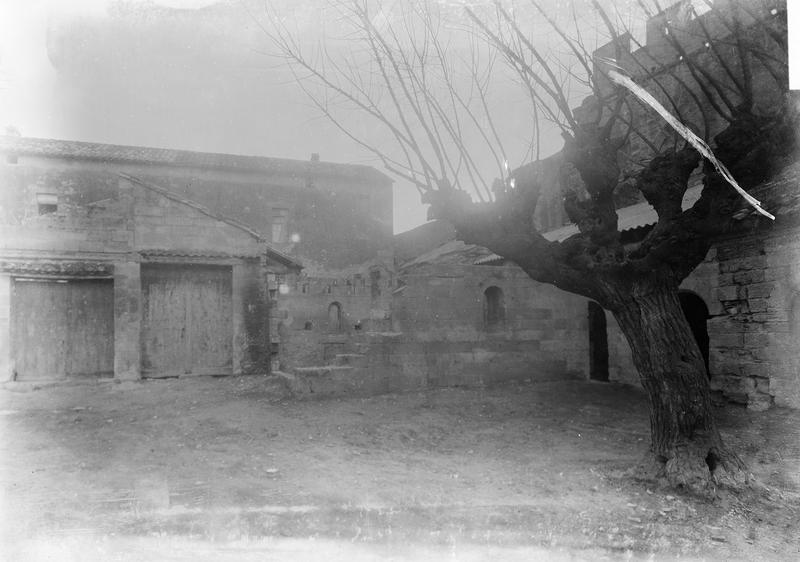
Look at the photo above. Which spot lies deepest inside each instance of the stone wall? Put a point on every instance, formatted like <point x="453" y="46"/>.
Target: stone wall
<point x="337" y="221"/>
<point x="318" y="313"/>
<point x="112" y="237"/>
<point x="441" y="312"/>
<point x="754" y="338"/>
<point x="440" y="337"/>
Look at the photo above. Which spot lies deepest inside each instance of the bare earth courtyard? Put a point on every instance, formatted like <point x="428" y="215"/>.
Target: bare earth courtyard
<point x="235" y="469"/>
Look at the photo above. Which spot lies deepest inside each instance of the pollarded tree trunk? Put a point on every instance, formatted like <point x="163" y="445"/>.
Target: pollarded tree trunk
<point x="686" y="447"/>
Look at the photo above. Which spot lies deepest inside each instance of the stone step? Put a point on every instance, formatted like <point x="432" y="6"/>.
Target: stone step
<point x="350" y="359"/>
<point x="331" y="380"/>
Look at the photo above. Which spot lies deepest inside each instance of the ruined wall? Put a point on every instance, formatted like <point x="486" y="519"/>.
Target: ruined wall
<point x="663" y="71"/>
<point x="315" y="314"/>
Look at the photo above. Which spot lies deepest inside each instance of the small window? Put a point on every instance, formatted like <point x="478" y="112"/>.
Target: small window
<point x="46" y="203"/>
<point x="280" y="219"/>
<point x="335" y="317"/>
<point x="494" y="307"/>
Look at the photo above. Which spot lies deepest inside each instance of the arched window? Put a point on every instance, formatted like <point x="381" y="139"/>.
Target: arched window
<point x="494" y="307"/>
<point x="696" y="312"/>
<point x="335" y="317"/>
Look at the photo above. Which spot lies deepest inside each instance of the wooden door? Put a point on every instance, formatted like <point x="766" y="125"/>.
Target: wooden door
<point x="187" y="323"/>
<point x="62" y="328"/>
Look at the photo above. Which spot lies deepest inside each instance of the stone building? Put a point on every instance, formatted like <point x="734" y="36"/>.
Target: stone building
<point x="123" y="225"/>
<point x="142" y="284"/>
<point x="741" y="302"/>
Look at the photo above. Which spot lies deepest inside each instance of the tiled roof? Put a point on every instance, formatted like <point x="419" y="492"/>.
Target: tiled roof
<point x="631" y="217"/>
<point x="160" y="253"/>
<point x="29" y="146"/>
<point x="635" y="216"/>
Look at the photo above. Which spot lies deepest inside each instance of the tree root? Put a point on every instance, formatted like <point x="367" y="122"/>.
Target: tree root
<point x="696" y="468"/>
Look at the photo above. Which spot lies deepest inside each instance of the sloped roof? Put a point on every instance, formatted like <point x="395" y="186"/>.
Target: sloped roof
<point x="453" y="252"/>
<point x="422" y="239"/>
<point x="30" y="146"/>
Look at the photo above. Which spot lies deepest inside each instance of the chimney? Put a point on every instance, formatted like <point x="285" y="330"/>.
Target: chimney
<point x="315" y="156"/>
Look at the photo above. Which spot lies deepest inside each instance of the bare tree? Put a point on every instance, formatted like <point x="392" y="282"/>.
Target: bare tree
<point x="404" y="77"/>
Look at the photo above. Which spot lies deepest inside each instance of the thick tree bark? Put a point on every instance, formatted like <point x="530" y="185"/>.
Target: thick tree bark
<point x="686" y="447"/>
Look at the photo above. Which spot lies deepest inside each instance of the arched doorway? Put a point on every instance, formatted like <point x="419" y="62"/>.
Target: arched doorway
<point x="598" y="343"/>
<point x="335" y="317"/>
<point x="696" y="312"/>
<point x="494" y="307"/>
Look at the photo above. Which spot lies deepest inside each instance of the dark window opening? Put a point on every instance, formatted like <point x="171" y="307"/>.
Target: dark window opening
<point x="335" y="317"/>
<point x="696" y="312"/>
<point x="375" y="287"/>
<point x="598" y="343"/>
<point x="494" y="307"/>
<point x="280" y="219"/>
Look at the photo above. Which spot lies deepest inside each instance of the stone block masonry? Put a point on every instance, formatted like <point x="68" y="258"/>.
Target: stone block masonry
<point x="118" y="237"/>
<point x="754" y="338"/>
<point x="451" y="337"/>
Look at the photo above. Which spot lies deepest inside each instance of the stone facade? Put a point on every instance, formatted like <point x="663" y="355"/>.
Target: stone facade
<point x="112" y="240"/>
<point x="334" y="220"/>
<point x="754" y="358"/>
<point x="452" y="337"/>
<point x="749" y="285"/>
<point x="329" y="216"/>
<point x="453" y="323"/>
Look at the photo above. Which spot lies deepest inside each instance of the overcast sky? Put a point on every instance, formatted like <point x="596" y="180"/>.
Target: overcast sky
<point x="184" y="74"/>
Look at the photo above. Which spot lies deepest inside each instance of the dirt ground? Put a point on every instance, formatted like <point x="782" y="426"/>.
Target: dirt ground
<point x="234" y="469"/>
